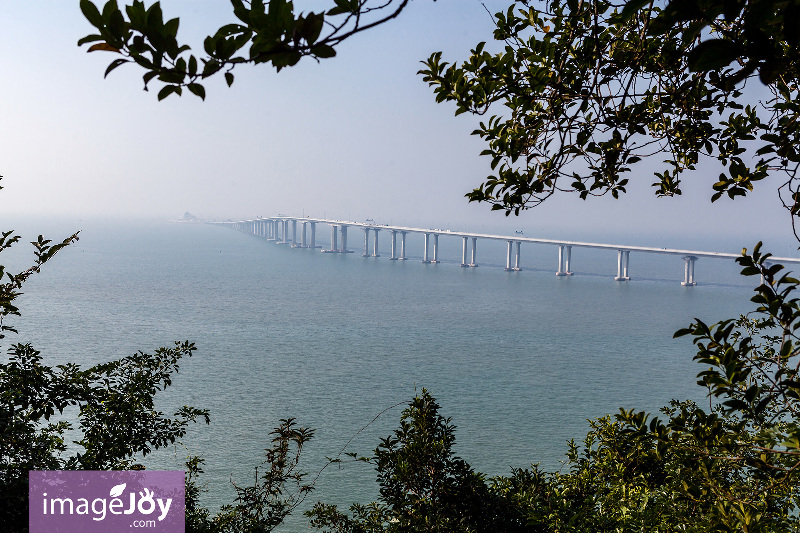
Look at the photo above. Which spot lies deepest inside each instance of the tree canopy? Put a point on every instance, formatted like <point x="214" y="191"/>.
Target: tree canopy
<point x="586" y="91"/>
<point x="265" y="33"/>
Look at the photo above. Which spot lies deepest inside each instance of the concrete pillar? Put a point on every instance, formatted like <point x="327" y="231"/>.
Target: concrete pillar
<point x="402" y="246"/>
<point x="474" y="262"/>
<point x="394" y="245"/>
<point x="568" y="260"/>
<point x="560" y="271"/>
<point x="626" y="263"/>
<point x="435" y="248"/>
<point x="286" y="231"/>
<point x="366" y="243"/>
<point x="508" y="256"/>
<point x="334" y="242"/>
<point x="688" y="271"/>
<point x="425" y="251"/>
<point x="622" y="265"/>
<point x="344" y="239"/>
<point x="313" y="235"/>
<point x="516" y="262"/>
<point x="375" y="247"/>
<point x="464" y="254"/>
<point x="294" y="233"/>
<point x="303" y="241"/>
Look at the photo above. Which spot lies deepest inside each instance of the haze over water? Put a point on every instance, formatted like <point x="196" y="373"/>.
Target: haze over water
<point x="518" y="360"/>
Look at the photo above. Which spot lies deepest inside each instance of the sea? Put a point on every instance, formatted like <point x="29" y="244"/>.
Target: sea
<point x="519" y="361"/>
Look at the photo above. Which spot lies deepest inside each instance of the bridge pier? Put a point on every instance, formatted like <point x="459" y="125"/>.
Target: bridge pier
<point x="303" y="242"/>
<point x="402" y="246"/>
<point x="313" y="235"/>
<point x="516" y="267"/>
<point x="688" y="271"/>
<point x="425" y="251"/>
<point x="474" y="262"/>
<point x="435" y="248"/>
<point x="564" y="260"/>
<point x="334" y="240"/>
<point x="375" y="244"/>
<point x="343" y="231"/>
<point x="285" y="232"/>
<point x="366" y="242"/>
<point x="623" y="259"/>
<point x="394" y="245"/>
<point x="464" y="253"/>
<point x="294" y="234"/>
<point x="270" y="230"/>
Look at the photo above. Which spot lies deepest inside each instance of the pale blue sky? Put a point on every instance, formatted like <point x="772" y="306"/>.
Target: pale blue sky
<point x="354" y="137"/>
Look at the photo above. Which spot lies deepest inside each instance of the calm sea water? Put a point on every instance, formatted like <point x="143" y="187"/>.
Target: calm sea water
<point x="518" y="360"/>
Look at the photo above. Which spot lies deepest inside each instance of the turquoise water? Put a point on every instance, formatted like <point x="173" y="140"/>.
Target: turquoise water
<point x="518" y="360"/>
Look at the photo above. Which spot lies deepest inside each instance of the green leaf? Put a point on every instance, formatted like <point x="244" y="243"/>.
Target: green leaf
<point x="114" y="64"/>
<point x="91" y="13"/>
<point x="323" y="51"/>
<point x="197" y="90"/>
<point x="631" y="8"/>
<point x="713" y="54"/>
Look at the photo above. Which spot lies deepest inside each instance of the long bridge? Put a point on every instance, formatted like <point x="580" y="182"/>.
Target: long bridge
<point x="283" y="230"/>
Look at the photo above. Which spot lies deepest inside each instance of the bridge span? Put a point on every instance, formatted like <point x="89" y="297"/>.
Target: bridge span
<point x="283" y="230"/>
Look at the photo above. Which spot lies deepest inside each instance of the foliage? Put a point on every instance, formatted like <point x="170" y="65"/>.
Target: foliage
<point x="588" y="91"/>
<point x="271" y="33"/>
<point x="265" y="504"/>
<point x="750" y="35"/>
<point x="747" y="452"/>
<point x="117" y="418"/>
<point x="423" y="486"/>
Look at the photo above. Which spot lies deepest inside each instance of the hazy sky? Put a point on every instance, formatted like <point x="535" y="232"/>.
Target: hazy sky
<point x="354" y="137"/>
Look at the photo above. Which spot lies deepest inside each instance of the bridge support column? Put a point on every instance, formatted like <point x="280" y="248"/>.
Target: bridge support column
<point x="286" y="231"/>
<point x="623" y="258"/>
<point x="375" y="245"/>
<point x="425" y="251"/>
<point x="688" y="271"/>
<point x="402" y="246"/>
<point x="568" y="260"/>
<point x="508" y="256"/>
<point x="303" y="241"/>
<point x="270" y="230"/>
<point x="394" y="245"/>
<point x="435" y="248"/>
<point x="464" y="254"/>
<point x="294" y="234"/>
<point x="366" y="243"/>
<point x="344" y="249"/>
<point x="334" y="240"/>
<point x="313" y="235"/>
<point x="561" y="271"/>
<point x="474" y="262"/>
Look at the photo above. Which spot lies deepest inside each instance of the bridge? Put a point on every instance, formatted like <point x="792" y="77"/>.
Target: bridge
<point x="283" y="230"/>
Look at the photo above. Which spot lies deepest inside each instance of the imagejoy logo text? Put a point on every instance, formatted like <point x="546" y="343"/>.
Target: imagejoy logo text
<point x="92" y="501"/>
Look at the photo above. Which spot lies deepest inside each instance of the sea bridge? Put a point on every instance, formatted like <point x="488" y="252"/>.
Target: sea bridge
<point x="284" y="230"/>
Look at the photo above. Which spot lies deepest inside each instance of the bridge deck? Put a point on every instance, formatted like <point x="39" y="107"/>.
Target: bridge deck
<point x="602" y="246"/>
